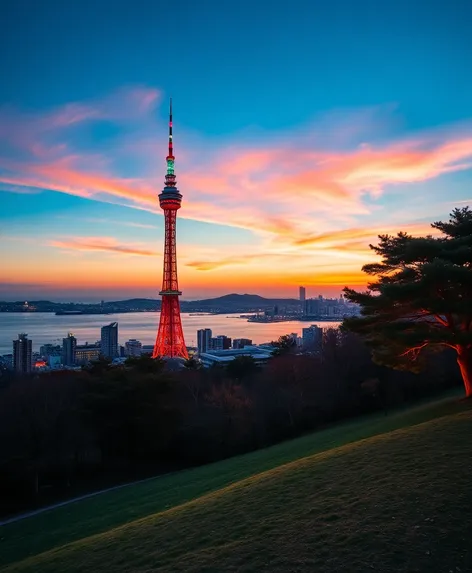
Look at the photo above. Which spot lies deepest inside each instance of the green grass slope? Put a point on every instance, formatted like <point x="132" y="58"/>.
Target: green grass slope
<point x="393" y="503"/>
<point x="159" y="541"/>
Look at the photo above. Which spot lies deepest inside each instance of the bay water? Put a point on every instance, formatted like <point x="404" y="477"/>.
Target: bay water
<point x="45" y="327"/>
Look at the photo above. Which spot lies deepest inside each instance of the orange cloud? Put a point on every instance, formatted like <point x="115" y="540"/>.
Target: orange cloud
<point x="210" y="265"/>
<point x="333" y="238"/>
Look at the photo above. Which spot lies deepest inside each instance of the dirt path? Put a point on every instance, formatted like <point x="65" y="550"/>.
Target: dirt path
<point x="73" y="500"/>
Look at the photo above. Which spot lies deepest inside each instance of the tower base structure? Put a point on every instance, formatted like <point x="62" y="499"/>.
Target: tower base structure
<point x="170" y="341"/>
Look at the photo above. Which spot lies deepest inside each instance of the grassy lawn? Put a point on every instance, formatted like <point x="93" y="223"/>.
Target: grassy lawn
<point x="357" y="498"/>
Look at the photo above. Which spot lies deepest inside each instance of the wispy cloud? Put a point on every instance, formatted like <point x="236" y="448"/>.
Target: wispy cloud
<point x="351" y="245"/>
<point x="123" y="223"/>
<point x="115" y="223"/>
<point x="315" y="195"/>
<point x="278" y="188"/>
<point x="106" y="244"/>
<point x="48" y="135"/>
<point x="361" y="235"/>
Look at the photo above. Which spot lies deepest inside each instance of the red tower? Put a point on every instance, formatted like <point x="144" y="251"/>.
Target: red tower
<point x="170" y="341"/>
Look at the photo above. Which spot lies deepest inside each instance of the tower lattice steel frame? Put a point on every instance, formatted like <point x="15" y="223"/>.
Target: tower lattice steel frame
<point x="170" y="341"/>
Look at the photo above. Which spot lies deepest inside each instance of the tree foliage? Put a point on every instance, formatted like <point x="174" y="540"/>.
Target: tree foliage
<point x="66" y="432"/>
<point x="242" y="367"/>
<point x="285" y="344"/>
<point x="421" y="297"/>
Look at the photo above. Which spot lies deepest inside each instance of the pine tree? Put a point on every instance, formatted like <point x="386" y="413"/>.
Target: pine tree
<point x="421" y="297"/>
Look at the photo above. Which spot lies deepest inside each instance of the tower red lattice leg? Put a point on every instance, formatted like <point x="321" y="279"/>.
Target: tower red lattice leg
<point x="170" y="337"/>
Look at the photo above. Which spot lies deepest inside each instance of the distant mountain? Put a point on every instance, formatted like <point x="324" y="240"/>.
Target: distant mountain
<point x="243" y="300"/>
<point x="133" y="301"/>
<point x="227" y="303"/>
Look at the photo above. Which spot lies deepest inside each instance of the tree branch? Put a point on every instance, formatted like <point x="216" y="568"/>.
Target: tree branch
<point x="414" y="351"/>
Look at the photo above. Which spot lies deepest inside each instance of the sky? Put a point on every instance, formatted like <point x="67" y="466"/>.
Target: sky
<point x="301" y="131"/>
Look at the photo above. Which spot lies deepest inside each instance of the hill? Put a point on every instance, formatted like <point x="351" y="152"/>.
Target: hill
<point x="243" y="301"/>
<point x="227" y="303"/>
<point x="382" y="503"/>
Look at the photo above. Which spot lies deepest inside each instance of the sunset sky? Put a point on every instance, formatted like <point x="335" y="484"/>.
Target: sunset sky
<point x="301" y="132"/>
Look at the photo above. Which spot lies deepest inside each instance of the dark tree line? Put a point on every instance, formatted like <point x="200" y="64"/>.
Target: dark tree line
<point x="62" y="433"/>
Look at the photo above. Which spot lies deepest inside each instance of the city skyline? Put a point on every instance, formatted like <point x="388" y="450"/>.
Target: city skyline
<point x="302" y="135"/>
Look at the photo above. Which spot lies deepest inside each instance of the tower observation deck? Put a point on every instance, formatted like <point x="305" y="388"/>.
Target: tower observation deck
<point x="170" y="341"/>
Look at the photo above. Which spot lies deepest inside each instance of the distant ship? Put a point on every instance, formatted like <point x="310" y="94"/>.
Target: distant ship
<point x="76" y="312"/>
<point x="61" y="312"/>
<point x="201" y="313"/>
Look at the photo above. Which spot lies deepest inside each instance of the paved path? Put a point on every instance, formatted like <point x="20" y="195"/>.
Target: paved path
<point x="73" y="500"/>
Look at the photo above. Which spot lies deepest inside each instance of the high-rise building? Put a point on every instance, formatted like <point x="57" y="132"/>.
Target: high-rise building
<point x="170" y="337"/>
<point x="22" y="354"/>
<point x="241" y="343"/>
<point x="302" y="293"/>
<point x="109" y="341"/>
<point x="133" y="347"/>
<point x="312" y="337"/>
<point x="203" y="340"/>
<point x="68" y="349"/>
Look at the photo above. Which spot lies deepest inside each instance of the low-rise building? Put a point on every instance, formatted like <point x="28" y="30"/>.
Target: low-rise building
<point x="223" y="357"/>
<point x="220" y="342"/>
<point x="133" y="347"/>
<point x="241" y="342"/>
<point x="54" y="361"/>
<point x="49" y="349"/>
<point x="85" y="353"/>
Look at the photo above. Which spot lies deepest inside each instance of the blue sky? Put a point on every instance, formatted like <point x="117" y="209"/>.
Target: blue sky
<point x="297" y="126"/>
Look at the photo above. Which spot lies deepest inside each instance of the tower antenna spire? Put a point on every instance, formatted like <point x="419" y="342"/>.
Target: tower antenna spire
<point x="170" y="180"/>
<point x="171" y="146"/>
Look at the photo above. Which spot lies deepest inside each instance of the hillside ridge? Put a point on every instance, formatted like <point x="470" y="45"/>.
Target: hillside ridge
<point x="258" y="480"/>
